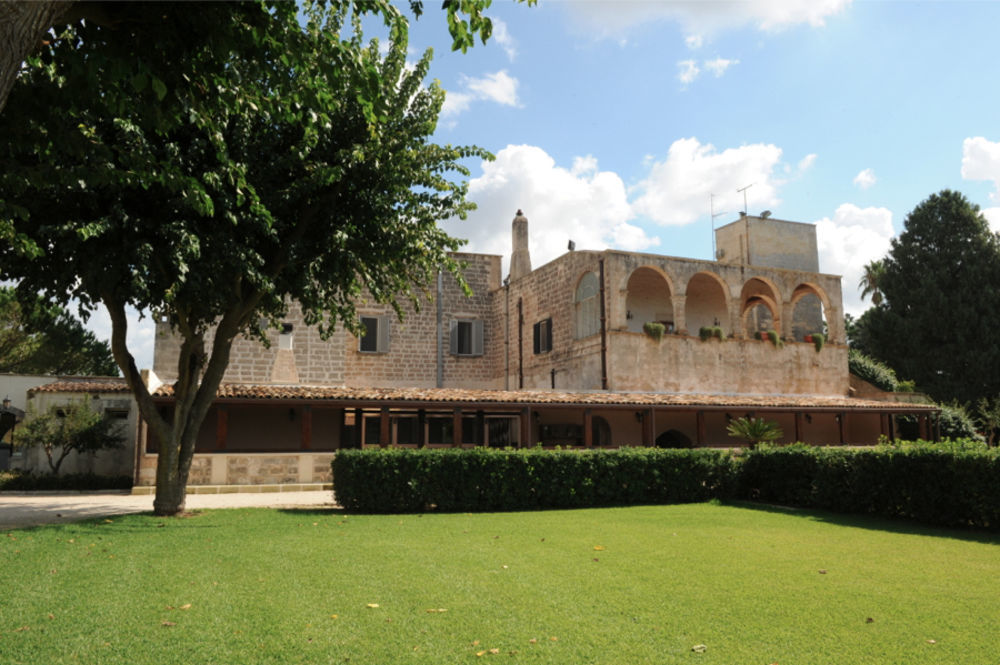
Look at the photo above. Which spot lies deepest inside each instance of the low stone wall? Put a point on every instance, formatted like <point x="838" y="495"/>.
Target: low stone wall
<point x="249" y="469"/>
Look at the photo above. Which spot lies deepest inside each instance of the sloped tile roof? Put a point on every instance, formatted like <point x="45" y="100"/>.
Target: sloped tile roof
<point x="545" y="397"/>
<point x="87" y="384"/>
<point x="234" y="391"/>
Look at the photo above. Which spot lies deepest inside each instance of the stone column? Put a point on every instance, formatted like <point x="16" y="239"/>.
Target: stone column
<point x="680" y="315"/>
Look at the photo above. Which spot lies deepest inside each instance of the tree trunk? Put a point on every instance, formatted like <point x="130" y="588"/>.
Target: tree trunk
<point x="22" y="26"/>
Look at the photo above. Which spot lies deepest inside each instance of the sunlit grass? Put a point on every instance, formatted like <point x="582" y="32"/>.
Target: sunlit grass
<point x="629" y="585"/>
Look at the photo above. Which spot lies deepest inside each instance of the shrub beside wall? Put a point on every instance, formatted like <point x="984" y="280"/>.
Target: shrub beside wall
<point x="943" y="484"/>
<point x="946" y="485"/>
<point x="14" y="481"/>
<point x="399" y="480"/>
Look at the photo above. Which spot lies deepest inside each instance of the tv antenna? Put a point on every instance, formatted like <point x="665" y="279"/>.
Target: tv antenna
<point x="711" y="211"/>
<point x="744" y="191"/>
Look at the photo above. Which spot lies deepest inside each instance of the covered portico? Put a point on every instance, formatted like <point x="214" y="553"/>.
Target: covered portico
<point x="269" y="434"/>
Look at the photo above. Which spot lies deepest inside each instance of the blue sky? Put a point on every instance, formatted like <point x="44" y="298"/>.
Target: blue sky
<point x="614" y="122"/>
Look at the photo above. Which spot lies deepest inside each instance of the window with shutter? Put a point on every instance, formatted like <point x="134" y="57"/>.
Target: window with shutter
<point x="543" y="336"/>
<point x="375" y="338"/>
<point x="466" y="337"/>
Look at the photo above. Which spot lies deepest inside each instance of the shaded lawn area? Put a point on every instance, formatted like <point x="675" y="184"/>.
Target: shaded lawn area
<point x="627" y="585"/>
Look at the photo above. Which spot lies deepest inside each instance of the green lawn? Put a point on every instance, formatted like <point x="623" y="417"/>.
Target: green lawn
<point x="629" y="585"/>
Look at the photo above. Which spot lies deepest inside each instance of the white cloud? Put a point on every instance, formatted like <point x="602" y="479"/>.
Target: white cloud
<point x="139" y="339"/>
<point x="677" y="189"/>
<point x="992" y="216"/>
<point x="806" y="162"/>
<point x="687" y="71"/>
<point x="499" y="87"/>
<point x="702" y="20"/>
<point x="865" y="179"/>
<point x="580" y="203"/>
<point x="981" y="161"/>
<point x="850" y="240"/>
<point x="719" y="65"/>
<point x="502" y="37"/>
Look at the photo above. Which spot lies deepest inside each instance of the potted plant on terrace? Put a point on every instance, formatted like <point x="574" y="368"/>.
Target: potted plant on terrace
<point x="654" y="329"/>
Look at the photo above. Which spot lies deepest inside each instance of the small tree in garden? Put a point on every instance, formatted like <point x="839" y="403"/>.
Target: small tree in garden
<point x="754" y="430"/>
<point x="73" y="427"/>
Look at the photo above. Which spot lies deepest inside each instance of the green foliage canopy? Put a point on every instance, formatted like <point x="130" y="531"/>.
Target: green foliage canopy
<point x="70" y="428"/>
<point x="941" y="309"/>
<point x="213" y="162"/>
<point x="39" y="338"/>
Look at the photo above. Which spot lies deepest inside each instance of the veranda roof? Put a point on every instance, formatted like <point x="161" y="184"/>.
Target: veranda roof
<point x="402" y="397"/>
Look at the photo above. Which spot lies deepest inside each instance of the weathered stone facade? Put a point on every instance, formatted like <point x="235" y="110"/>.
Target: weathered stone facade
<point x="577" y="323"/>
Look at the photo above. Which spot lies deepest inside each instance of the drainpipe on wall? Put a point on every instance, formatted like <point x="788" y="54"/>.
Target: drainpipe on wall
<point x="506" y="334"/>
<point x="440" y="332"/>
<point x="604" y="335"/>
<point x="520" y="344"/>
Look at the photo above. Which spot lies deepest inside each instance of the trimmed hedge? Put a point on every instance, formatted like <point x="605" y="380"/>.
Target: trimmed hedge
<point x="946" y="485"/>
<point x="481" y="479"/>
<point x="952" y="484"/>
<point x="14" y="481"/>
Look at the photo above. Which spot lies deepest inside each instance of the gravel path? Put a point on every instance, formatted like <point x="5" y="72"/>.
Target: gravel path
<point x="25" y="510"/>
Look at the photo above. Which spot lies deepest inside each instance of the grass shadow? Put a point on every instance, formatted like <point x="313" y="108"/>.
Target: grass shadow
<point x="873" y="522"/>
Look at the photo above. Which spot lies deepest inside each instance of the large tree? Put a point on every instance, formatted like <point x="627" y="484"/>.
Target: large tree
<point x="941" y="301"/>
<point x="209" y="165"/>
<point x="24" y="24"/>
<point x="38" y="337"/>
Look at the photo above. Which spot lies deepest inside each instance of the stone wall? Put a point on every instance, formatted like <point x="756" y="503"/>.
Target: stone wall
<point x="413" y="342"/>
<point x="252" y="469"/>
<point x="681" y="362"/>
<point x="772" y="242"/>
<point x="548" y="293"/>
<point x="304" y="357"/>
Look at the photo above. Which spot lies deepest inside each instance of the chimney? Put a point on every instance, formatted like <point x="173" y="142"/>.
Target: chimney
<point x="520" y="259"/>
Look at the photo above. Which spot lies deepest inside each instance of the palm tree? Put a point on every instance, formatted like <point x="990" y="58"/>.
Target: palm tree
<point x="871" y="279"/>
<point x="754" y="430"/>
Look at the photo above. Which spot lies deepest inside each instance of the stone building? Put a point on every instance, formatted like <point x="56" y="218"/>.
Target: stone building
<point x="557" y="355"/>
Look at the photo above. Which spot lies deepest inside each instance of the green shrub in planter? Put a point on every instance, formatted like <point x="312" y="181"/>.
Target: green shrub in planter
<point x="818" y="339"/>
<point x="705" y="333"/>
<point x="654" y="329"/>
<point x="775" y="338"/>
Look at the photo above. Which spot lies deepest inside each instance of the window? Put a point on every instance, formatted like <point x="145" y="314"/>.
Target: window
<point x="587" y="319"/>
<point x="466" y="337"/>
<point x="543" y="336"/>
<point x="376" y="334"/>
<point x="285" y="337"/>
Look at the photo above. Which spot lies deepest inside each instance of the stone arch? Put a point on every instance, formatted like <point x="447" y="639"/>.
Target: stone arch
<point x="649" y="297"/>
<point x="760" y="308"/>
<point x="706" y="302"/>
<point x="809" y="309"/>
<point x="600" y="432"/>
<point x="586" y="305"/>
<point x="673" y="438"/>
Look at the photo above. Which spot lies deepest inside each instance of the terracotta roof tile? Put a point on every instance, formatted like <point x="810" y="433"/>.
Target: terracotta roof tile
<point x="543" y="397"/>
<point x="83" y="385"/>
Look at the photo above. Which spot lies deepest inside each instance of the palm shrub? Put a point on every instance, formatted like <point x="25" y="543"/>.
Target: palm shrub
<point x="754" y="430"/>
